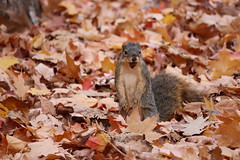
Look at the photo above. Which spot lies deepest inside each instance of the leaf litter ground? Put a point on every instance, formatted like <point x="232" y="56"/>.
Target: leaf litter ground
<point x="57" y="81"/>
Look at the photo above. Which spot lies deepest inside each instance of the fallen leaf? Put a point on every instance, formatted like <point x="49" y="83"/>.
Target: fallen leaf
<point x="45" y="71"/>
<point x="82" y="100"/>
<point x="71" y="69"/>
<point x="146" y="126"/>
<point x="47" y="106"/>
<point x="98" y="142"/>
<point x="7" y="62"/>
<point x="108" y="66"/>
<point x="71" y="9"/>
<point x="224" y="65"/>
<point x="228" y="133"/>
<point x="15" y="143"/>
<point x="3" y="110"/>
<point x="194" y="126"/>
<point x="42" y="148"/>
<point x="37" y="41"/>
<point x="169" y="18"/>
<point x="21" y="87"/>
<point x="117" y="123"/>
<point x="35" y="91"/>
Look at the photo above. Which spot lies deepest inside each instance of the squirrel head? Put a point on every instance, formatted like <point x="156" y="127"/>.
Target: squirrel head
<point x="131" y="53"/>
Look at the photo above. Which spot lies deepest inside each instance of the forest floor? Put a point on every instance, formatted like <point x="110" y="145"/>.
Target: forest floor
<point x="58" y="99"/>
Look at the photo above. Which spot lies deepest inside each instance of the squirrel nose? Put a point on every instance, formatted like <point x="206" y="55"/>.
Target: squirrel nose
<point x="134" y="59"/>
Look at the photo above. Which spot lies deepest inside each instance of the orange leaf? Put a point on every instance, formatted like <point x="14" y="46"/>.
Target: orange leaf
<point x="228" y="133"/>
<point x="224" y="65"/>
<point x="107" y="65"/>
<point x="98" y="142"/>
<point x="71" y="69"/>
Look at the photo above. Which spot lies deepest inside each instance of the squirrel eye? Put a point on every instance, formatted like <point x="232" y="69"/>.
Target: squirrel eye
<point x="139" y="52"/>
<point x="125" y="52"/>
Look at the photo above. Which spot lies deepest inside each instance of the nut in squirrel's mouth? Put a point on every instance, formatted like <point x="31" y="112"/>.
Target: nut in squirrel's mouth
<point x="132" y="64"/>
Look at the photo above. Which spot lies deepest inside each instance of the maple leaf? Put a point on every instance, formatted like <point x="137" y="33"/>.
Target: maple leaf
<point x="225" y="65"/>
<point x="146" y="126"/>
<point x="194" y="126"/>
<point x="71" y="69"/>
<point x="228" y="133"/>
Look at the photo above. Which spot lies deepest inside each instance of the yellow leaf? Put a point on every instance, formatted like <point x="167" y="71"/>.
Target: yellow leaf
<point x="3" y="110"/>
<point x="35" y="91"/>
<point x="6" y="62"/>
<point x="224" y="65"/>
<point x="163" y="31"/>
<point x="103" y="140"/>
<point x="44" y="51"/>
<point x="148" y="54"/>
<point x="168" y="19"/>
<point x="71" y="9"/>
<point x="37" y="41"/>
<point x="107" y="65"/>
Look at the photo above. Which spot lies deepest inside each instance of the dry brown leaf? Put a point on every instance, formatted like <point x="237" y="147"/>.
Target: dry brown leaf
<point x="71" y="69"/>
<point x="43" y="148"/>
<point x="45" y="71"/>
<point x="15" y="143"/>
<point x="47" y="106"/>
<point x="225" y="65"/>
<point x="146" y="126"/>
<point x="228" y="133"/>
<point x="82" y="100"/>
<point x="42" y="92"/>
<point x="108" y="66"/>
<point x="194" y="126"/>
<point x="21" y="87"/>
<point x="132" y="142"/>
<point x="71" y="8"/>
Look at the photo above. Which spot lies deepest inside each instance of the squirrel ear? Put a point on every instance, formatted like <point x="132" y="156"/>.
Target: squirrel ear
<point x="138" y="44"/>
<point x="124" y="45"/>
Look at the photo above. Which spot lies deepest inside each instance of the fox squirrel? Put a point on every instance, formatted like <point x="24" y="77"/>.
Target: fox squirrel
<point x="162" y="94"/>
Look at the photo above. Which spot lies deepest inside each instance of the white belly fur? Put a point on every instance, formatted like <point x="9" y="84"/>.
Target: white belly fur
<point x="130" y="78"/>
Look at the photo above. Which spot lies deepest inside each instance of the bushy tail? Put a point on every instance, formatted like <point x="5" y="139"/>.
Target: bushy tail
<point x="193" y="95"/>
